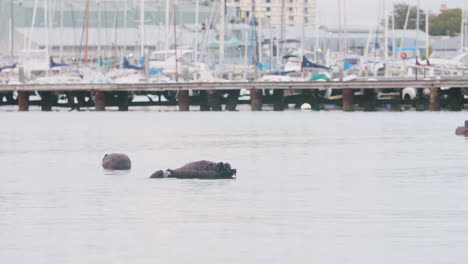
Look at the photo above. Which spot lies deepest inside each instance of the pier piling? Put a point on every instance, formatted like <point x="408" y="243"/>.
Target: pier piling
<point x="214" y="100"/>
<point x="46" y="101"/>
<point x="232" y="99"/>
<point x="99" y="101"/>
<point x="348" y="100"/>
<point x="123" y="100"/>
<point x="434" y="99"/>
<point x="256" y="99"/>
<point x="278" y="100"/>
<point x="455" y="99"/>
<point x="183" y="99"/>
<point x="203" y="97"/>
<point x="370" y="103"/>
<point x="23" y="101"/>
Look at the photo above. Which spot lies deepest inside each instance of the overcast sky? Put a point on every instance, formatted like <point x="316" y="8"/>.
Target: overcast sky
<point x="366" y="12"/>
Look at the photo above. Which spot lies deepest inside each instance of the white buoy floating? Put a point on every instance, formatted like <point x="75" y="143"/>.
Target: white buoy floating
<point x="306" y="106"/>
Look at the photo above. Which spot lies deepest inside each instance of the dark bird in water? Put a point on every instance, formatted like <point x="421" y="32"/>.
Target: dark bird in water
<point x="199" y="170"/>
<point x="116" y="161"/>
<point x="462" y="130"/>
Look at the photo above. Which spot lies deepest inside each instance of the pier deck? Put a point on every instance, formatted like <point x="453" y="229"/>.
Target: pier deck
<point x="383" y="83"/>
<point x="212" y="95"/>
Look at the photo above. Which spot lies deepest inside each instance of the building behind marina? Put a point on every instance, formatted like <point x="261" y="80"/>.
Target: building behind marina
<point x="276" y="12"/>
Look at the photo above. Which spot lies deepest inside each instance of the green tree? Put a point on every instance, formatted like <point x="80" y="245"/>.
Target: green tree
<point x="401" y="11"/>
<point x="446" y="24"/>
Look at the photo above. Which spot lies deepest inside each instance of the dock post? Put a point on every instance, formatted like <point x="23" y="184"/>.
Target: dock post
<point x="278" y="100"/>
<point x="203" y="97"/>
<point x="256" y="100"/>
<point x="23" y="101"/>
<point x="232" y="99"/>
<point x="23" y="97"/>
<point x="214" y="100"/>
<point x="99" y="101"/>
<point x="348" y="99"/>
<point x="46" y="101"/>
<point x="183" y="99"/>
<point x="123" y="100"/>
<point x="455" y="99"/>
<point x="434" y="99"/>
<point x="370" y="103"/>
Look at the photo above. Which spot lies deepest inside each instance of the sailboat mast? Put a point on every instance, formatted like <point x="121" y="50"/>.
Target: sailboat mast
<point x="317" y="29"/>
<point x="175" y="45"/>
<point x="417" y="27"/>
<point x="86" y="34"/>
<point x="167" y="24"/>
<point x="462" y="35"/>
<point x="281" y="41"/>
<point x="61" y="31"/>
<point x="345" y="26"/>
<point x="125" y="27"/>
<point x="115" y="36"/>
<point x="12" y="27"/>
<point x="33" y="22"/>
<point x="385" y="30"/>
<point x="142" y="27"/>
<point x="46" y="24"/>
<point x="340" y="29"/>
<point x="99" y="29"/>
<point x="427" y="35"/>
<point x="221" y="31"/>
<point x="404" y="28"/>
<point x="197" y="22"/>
<point x="303" y="31"/>
<point x="393" y="34"/>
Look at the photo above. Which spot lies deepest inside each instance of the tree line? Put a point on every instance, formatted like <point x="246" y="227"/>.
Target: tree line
<point x="447" y="23"/>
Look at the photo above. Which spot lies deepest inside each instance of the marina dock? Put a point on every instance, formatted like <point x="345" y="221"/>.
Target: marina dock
<point x="211" y="96"/>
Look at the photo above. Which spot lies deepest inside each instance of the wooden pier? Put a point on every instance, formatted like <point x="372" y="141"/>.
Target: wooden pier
<point x="211" y="96"/>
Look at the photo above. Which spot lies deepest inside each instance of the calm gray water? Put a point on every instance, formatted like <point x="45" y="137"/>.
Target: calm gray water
<point x="326" y="187"/>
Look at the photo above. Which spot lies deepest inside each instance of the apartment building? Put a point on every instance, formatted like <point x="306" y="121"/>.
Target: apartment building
<point x="276" y="12"/>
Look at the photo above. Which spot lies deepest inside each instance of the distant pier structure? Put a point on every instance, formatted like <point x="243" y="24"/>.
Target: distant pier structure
<point x="432" y="95"/>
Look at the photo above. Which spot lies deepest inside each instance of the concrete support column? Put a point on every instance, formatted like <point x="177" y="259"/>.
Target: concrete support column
<point x="46" y="101"/>
<point x="23" y="101"/>
<point x="183" y="99"/>
<point x="123" y="100"/>
<point x="434" y="99"/>
<point x="256" y="99"/>
<point x="214" y="100"/>
<point x="455" y="99"/>
<point x="99" y="101"/>
<point x="348" y="100"/>
<point x="278" y="100"/>
<point x="203" y="97"/>
<point x="370" y="103"/>
<point x="232" y="99"/>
